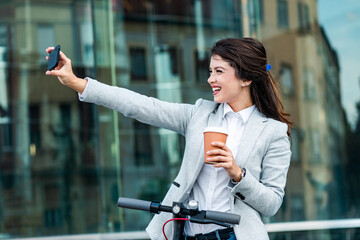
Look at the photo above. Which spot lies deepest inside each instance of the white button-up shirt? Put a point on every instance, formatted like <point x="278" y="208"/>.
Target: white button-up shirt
<point x="210" y="188"/>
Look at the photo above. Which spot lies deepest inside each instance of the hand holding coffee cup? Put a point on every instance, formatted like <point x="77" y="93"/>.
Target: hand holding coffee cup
<point x="213" y="134"/>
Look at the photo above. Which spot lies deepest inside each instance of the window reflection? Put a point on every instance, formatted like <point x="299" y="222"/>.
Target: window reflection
<point x="304" y="16"/>
<point x="138" y="64"/>
<point x="287" y="81"/>
<point x="282" y="14"/>
<point x="295" y="145"/>
<point x="309" y="84"/>
<point x="143" y="149"/>
<point x="35" y="128"/>
<point x="45" y="38"/>
<point x="174" y="60"/>
<point x="202" y="67"/>
<point x="297" y="207"/>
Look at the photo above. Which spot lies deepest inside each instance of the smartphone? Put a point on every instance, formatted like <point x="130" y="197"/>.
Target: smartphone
<point x="54" y="58"/>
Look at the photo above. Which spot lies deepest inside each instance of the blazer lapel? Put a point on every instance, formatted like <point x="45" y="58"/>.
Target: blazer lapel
<point x="254" y="127"/>
<point x="214" y="120"/>
<point x="216" y="116"/>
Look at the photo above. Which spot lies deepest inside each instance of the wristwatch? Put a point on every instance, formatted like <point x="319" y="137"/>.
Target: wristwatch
<point x="243" y="174"/>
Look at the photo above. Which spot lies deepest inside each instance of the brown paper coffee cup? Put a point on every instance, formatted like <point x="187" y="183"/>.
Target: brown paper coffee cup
<point x="213" y="134"/>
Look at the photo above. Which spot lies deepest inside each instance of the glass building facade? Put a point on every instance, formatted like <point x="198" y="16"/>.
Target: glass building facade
<point x="64" y="163"/>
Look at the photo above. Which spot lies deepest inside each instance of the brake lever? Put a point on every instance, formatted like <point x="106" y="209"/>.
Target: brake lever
<point x="200" y="218"/>
<point x="205" y="221"/>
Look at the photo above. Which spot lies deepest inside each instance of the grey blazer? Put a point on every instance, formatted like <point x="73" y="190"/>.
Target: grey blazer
<point x="264" y="152"/>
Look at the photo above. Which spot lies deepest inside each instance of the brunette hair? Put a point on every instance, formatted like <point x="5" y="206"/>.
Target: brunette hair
<point x="248" y="57"/>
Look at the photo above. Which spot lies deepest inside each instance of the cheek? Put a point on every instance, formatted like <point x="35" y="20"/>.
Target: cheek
<point x="235" y="90"/>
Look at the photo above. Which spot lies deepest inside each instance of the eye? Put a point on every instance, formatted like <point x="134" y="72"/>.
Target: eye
<point x="219" y="71"/>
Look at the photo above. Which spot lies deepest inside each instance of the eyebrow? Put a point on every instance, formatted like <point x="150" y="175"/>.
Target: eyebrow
<point x="217" y="67"/>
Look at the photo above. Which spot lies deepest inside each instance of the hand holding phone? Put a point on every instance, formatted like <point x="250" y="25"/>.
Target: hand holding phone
<point x="54" y="58"/>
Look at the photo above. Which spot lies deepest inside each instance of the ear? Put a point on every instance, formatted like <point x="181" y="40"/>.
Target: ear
<point x="245" y="83"/>
<point x="248" y="82"/>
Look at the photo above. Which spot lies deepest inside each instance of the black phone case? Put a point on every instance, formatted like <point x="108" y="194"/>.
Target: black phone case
<point x="54" y="58"/>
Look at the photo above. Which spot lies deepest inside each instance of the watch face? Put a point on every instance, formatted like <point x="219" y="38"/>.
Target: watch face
<point x="243" y="172"/>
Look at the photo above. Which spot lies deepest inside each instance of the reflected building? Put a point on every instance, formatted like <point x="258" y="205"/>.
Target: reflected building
<point x="64" y="163"/>
<point x="47" y="138"/>
<point x="307" y="68"/>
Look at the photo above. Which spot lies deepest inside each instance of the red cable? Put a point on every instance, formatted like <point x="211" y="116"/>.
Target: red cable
<point x="163" y="229"/>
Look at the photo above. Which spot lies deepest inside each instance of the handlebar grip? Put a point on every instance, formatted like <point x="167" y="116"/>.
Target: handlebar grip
<point x="223" y="217"/>
<point x="134" y="204"/>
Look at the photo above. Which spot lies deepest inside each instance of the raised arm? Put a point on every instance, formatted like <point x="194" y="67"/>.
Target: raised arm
<point x="172" y="116"/>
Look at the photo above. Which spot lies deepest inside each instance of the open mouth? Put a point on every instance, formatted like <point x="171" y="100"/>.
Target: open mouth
<point x="216" y="90"/>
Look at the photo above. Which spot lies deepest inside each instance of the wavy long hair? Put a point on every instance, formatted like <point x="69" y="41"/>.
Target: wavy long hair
<point x="248" y="57"/>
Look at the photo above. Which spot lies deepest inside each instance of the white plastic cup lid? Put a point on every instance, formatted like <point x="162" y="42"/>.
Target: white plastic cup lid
<point x="216" y="129"/>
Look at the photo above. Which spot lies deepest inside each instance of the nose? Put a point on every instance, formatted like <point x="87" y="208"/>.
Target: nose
<point x="211" y="79"/>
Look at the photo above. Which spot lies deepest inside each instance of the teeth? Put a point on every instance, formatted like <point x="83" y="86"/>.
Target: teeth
<point x="215" y="89"/>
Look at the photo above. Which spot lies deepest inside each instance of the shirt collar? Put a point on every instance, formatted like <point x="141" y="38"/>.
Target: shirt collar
<point x="243" y="114"/>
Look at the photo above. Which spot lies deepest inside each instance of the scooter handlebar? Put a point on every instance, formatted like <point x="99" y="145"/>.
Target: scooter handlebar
<point x="223" y="217"/>
<point x="134" y="204"/>
<point x="148" y="206"/>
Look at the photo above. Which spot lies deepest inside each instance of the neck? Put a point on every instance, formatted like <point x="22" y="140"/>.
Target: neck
<point x="244" y="102"/>
<point x="237" y="108"/>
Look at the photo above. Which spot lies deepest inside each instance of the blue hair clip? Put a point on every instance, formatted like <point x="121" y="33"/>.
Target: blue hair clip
<point x="268" y="67"/>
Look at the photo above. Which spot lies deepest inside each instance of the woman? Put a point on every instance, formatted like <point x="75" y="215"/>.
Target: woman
<point x="249" y="175"/>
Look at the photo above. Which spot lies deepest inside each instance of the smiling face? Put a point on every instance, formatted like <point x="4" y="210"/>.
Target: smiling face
<point x="226" y="86"/>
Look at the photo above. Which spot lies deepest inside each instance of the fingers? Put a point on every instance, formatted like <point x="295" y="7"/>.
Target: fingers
<point x="63" y="60"/>
<point x="49" y="49"/>
<point x="63" y="56"/>
<point x="222" y="149"/>
<point x="217" y="158"/>
<point x="223" y="158"/>
<point x="221" y="154"/>
<point x="220" y="145"/>
<point x="219" y="164"/>
<point x="53" y="73"/>
<point x="222" y="162"/>
<point x="216" y="152"/>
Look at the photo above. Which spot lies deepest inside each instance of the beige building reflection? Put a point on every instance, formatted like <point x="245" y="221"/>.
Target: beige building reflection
<point x="64" y="163"/>
<point x="308" y="71"/>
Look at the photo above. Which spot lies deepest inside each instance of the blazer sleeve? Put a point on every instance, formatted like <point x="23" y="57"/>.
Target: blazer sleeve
<point x="149" y="110"/>
<point x="266" y="195"/>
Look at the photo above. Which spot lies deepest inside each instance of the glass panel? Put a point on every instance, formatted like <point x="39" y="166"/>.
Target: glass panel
<point x="165" y="41"/>
<point x="49" y="172"/>
<point x="321" y="181"/>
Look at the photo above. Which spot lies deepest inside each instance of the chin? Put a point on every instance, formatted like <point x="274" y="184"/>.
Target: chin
<point x="218" y="100"/>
